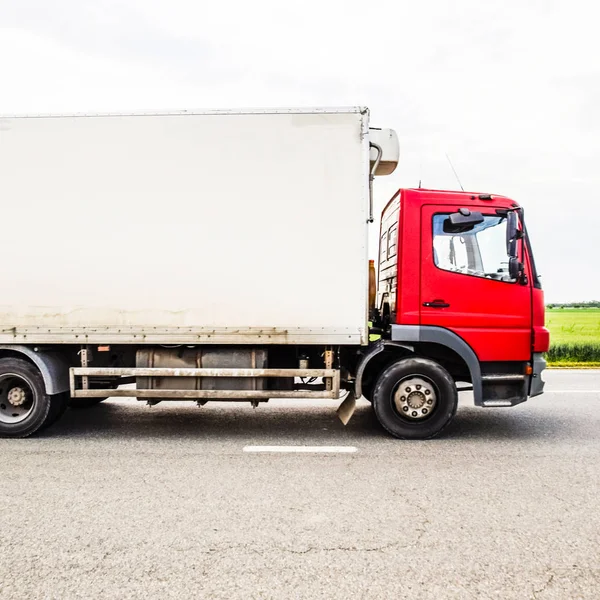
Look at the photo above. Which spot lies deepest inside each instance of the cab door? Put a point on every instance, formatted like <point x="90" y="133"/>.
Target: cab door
<point x="466" y="286"/>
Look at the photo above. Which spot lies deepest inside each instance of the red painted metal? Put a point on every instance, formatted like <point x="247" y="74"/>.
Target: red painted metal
<point x="541" y="336"/>
<point x="501" y="321"/>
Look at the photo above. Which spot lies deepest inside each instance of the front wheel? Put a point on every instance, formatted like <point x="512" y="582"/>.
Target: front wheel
<point x="415" y="398"/>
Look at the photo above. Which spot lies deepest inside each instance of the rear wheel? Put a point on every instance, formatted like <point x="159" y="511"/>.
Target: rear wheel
<point x="24" y="404"/>
<point x="415" y="398"/>
<point x="58" y="405"/>
<point x="84" y="402"/>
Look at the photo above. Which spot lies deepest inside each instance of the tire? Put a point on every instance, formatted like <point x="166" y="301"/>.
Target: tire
<point x="425" y="404"/>
<point x="24" y="404"/>
<point x="58" y="405"/>
<point x="77" y="403"/>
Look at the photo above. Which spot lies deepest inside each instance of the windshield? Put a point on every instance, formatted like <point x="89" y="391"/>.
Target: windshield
<point x="480" y="252"/>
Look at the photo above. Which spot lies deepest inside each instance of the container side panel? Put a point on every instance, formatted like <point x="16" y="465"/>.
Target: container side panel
<point x="198" y="221"/>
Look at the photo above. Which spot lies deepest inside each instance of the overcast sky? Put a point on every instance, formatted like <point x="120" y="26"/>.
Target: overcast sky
<point x="510" y="90"/>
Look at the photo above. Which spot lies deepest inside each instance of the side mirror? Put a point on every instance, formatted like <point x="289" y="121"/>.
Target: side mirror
<point x="512" y="234"/>
<point x="462" y="221"/>
<point x="515" y="268"/>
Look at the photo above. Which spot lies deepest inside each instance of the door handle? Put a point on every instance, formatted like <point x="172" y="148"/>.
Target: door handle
<point x="437" y="303"/>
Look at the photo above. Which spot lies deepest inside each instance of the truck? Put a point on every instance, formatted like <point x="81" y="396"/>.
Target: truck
<point x="224" y="256"/>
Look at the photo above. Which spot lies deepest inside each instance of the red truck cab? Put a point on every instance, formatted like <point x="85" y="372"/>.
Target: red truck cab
<point x="457" y="284"/>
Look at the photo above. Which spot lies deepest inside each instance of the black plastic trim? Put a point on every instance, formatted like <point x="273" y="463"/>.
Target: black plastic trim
<point x="375" y="349"/>
<point x="52" y="365"/>
<point x="444" y="337"/>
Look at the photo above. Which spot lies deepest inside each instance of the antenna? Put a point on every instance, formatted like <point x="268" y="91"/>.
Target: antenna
<point x="454" y="171"/>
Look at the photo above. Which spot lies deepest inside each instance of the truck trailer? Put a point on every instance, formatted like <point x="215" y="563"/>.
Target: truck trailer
<point x="224" y="256"/>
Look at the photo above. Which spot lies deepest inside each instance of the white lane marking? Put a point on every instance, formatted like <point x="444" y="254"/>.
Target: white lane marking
<point x="290" y="449"/>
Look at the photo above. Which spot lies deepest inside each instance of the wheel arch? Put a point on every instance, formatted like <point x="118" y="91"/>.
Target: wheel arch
<point x="52" y="365"/>
<point x="379" y="355"/>
<point x="426" y="341"/>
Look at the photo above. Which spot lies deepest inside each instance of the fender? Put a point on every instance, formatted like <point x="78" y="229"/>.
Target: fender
<point x="378" y="347"/>
<point x="405" y="335"/>
<point x="52" y="365"/>
<point x="348" y="406"/>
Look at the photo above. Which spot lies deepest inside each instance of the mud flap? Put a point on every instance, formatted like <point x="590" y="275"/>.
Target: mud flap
<point x="347" y="408"/>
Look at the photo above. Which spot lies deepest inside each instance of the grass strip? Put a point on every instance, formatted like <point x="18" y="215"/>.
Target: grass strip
<point x="574" y="352"/>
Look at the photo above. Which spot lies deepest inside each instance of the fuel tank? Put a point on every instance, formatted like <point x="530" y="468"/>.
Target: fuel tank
<point x="198" y="358"/>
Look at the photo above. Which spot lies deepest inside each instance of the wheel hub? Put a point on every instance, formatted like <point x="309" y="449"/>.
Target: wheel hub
<point x="16" y="399"/>
<point x="415" y="398"/>
<point x="17" y="396"/>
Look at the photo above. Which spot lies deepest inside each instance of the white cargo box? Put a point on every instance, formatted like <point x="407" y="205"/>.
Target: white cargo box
<point x="220" y="227"/>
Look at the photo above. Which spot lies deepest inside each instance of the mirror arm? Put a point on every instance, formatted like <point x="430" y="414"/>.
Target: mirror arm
<point x="522" y="278"/>
<point x="372" y="177"/>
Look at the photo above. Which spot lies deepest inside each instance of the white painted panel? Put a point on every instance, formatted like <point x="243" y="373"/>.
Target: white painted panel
<point x="152" y="222"/>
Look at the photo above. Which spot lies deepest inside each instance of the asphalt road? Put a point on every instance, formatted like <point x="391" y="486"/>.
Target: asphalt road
<point x="128" y="501"/>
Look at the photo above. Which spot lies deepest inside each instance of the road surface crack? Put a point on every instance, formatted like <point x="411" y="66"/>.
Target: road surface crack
<point x="544" y="587"/>
<point x="342" y="549"/>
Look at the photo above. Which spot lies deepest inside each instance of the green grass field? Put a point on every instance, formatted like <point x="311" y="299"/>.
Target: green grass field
<point x="573" y="325"/>
<point x="574" y="335"/>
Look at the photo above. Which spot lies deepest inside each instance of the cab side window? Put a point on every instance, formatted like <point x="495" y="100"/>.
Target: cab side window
<point x="480" y="252"/>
